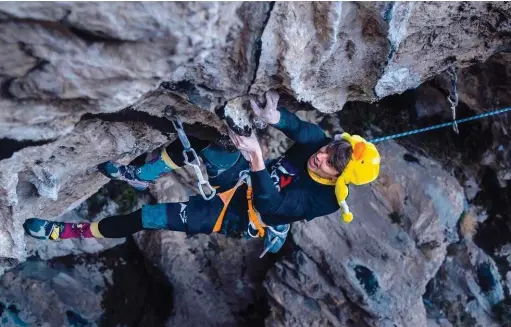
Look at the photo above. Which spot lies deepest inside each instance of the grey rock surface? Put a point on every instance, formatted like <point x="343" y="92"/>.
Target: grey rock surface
<point x="485" y="87"/>
<point x="115" y="288"/>
<point x="76" y="58"/>
<point x="38" y="294"/>
<point x="323" y="53"/>
<point x="48" y="180"/>
<point x="214" y="279"/>
<point x="466" y="288"/>
<point x="330" y="53"/>
<point x="437" y="35"/>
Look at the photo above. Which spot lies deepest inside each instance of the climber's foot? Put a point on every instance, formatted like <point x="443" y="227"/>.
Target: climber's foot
<point x="55" y="231"/>
<point x="44" y="229"/>
<point x="124" y="173"/>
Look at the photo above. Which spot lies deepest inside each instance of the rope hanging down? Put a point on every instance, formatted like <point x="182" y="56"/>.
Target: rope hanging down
<point x="426" y="129"/>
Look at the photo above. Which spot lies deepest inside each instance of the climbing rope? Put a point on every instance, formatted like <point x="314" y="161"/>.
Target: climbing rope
<point x="426" y="129"/>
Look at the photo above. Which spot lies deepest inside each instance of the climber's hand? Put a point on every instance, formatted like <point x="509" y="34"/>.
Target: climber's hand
<point x="250" y="149"/>
<point x="269" y="114"/>
<point x="248" y="144"/>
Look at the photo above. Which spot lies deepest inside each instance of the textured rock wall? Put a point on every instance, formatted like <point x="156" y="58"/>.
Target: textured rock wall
<point x="382" y="261"/>
<point x="63" y="60"/>
<point x="330" y="53"/>
<point x="116" y="287"/>
<point x="48" y="180"/>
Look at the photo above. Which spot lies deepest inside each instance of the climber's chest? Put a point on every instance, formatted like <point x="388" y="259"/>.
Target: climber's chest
<point x="285" y="174"/>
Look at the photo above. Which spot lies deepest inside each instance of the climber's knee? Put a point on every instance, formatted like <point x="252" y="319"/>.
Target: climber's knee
<point x="175" y="150"/>
<point x="217" y="159"/>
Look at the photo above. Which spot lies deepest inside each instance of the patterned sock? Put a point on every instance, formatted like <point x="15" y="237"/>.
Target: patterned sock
<point x="80" y="230"/>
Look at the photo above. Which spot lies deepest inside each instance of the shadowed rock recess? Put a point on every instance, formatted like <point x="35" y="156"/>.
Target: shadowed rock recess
<point x="82" y="83"/>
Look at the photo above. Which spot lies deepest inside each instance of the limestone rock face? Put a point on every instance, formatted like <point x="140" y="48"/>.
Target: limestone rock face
<point x="482" y="88"/>
<point x="485" y="87"/>
<point x="214" y="279"/>
<point x="330" y="53"/>
<point x="65" y="292"/>
<point x="61" y="60"/>
<point x="323" y="53"/>
<point x="426" y="38"/>
<point x="45" y="181"/>
<point x="373" y="271"/>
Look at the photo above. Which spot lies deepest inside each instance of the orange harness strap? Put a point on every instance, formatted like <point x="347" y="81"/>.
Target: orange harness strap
<point x="253" y="217"/>
<point x="226" y="199"/>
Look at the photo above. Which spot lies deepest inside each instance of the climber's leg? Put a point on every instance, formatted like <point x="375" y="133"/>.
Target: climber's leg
<point x="194" y="216"/>
<point x="114" y="227"/>
<point x="166" y="160"/>
<point x="215" y="157"/>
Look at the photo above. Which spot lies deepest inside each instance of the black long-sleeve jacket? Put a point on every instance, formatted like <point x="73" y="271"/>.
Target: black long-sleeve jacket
<point x="284" y="192"/>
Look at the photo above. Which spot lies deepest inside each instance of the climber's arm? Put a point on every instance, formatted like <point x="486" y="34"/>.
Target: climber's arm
<point x="296" y="129"/>
<point x="289" y="206"/>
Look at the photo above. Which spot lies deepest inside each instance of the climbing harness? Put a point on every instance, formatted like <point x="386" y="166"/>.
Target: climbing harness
<point x="426" y="129"/>
<point x="453" y="96"/>
<point x="195" y="163"/>
<point x="274" y="236"/>
<point x="256" y="225"/>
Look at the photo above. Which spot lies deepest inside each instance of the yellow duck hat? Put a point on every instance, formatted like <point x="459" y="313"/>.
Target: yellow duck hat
<point x="363" y="168"/>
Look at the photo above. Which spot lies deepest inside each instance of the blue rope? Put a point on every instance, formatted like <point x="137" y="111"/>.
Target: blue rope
<point x="426" y="129"/>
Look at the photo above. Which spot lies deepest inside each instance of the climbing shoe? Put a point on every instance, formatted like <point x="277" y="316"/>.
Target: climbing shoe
<point x="124" y="173"/>
<point x="56" y="231"/>
<point x="43" y="229"/>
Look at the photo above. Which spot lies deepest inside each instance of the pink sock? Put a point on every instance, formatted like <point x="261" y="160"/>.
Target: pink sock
<point x="72" y="230"/>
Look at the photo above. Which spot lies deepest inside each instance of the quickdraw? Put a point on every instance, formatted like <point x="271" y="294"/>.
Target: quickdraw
<point x="453" y="96"/>
<point x="195" y="163"/>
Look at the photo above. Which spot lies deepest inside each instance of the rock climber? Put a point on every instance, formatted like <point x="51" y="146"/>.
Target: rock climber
<point x="298" y="185"/>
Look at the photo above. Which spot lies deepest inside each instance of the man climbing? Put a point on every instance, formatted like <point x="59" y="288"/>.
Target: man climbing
<point x="300" y="184"/>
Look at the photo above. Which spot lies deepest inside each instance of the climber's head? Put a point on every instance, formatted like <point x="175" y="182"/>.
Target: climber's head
<point x="364" y="165"/>
<point x="330" y="160"/>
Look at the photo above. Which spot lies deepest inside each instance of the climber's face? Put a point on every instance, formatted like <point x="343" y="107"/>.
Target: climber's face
<point x="320" y="164"/>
